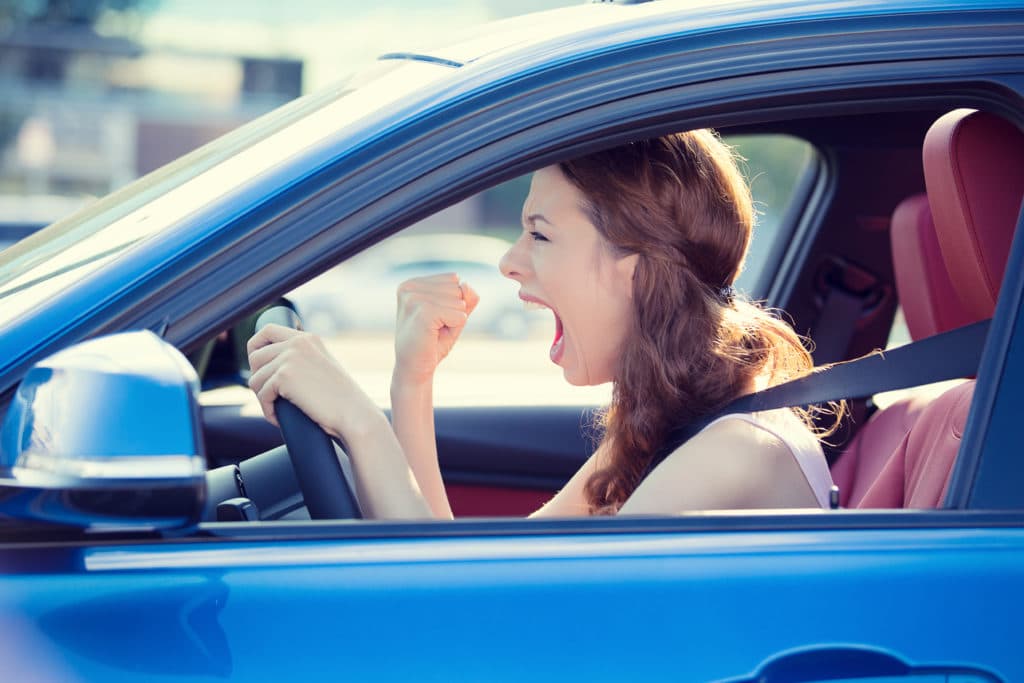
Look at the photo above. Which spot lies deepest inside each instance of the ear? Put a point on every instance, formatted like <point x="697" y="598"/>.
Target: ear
<point x="625" y="267"/>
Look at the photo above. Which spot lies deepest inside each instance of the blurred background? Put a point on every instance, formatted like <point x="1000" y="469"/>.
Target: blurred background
<point x="96" y="93"/>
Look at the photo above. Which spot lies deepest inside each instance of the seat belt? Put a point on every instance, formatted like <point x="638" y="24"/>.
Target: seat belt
<point x="836" y="325"/>
<point x="949" y="355"/>
<point x="851" y="292"/>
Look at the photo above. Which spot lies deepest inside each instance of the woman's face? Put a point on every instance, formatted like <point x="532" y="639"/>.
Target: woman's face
<point x="563" y="263"/>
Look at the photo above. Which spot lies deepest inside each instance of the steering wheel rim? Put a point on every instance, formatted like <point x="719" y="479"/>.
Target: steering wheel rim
<point x="326" y="490"/>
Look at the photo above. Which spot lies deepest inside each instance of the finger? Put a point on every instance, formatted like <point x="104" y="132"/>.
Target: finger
<point x="451" y="318"/>
<point x="262" y="356"/>
<point x="303" y="343"/>
<point x="270" y="334"/>
<point x="446" y="283"/>
<point x="419" y="304"/>
<point x="428" y="312"/>
<point x="266" y="396"/>
<point x="260" y="376"/>
<point x="434" y="315"/>
<point x="432" y="293"/>
<point x="470" y="296"/>
<point x="263" y="385"/>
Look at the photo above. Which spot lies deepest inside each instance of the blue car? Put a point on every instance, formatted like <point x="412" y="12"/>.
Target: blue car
<point x="149" y="529"/>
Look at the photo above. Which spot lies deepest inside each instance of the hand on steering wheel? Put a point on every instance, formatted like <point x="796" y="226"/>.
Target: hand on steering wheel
<point x="325" y="488"/>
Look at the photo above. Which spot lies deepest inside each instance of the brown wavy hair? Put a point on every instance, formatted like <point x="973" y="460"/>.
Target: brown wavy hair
<point x="681" y="204"/>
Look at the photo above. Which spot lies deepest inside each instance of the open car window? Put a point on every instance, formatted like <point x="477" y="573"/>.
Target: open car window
<point x="502" y="356"/>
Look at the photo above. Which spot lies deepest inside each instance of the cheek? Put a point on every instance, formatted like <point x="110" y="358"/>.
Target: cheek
<point x="603" y="326"/>
<point x="557" y="277"/>
<point x="615" y="322"/>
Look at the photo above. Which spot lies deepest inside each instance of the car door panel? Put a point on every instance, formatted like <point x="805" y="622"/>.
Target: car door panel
<point x="508" y="461"/>
<point x="539" y="446"/>
<point x="496" y="461"/>
<point x="235" y="432"/>
<point x="526" y="602"/>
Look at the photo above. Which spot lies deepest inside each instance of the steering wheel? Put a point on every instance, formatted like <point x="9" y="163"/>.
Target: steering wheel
<point x="325" y="487"/>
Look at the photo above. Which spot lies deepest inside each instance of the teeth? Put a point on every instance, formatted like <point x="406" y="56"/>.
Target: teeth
<point x="534" y="306"/>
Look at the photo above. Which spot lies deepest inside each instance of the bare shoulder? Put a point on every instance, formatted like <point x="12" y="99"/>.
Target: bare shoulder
<point x="734" y="463"/>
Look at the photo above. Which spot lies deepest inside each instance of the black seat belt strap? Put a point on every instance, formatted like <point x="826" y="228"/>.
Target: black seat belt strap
<point x="836" y="325"/>
<point x="949" y="355"/>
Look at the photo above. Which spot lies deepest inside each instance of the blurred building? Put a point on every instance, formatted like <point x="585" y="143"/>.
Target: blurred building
<point x="95" y="93"/>
<point x="82" y="114"/>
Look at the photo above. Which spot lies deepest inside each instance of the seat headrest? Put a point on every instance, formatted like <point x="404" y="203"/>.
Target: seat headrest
<point x="974" y="172"/>
<point x="927" y="296"/>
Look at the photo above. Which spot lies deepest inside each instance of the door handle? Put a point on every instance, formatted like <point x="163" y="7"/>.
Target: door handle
<point x="839" y="664"/>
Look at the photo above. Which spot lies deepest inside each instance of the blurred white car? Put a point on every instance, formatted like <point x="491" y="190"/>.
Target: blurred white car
<point x="360" y="294"/>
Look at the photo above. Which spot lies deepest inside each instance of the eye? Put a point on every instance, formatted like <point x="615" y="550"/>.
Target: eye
<point x="538" y="236"/>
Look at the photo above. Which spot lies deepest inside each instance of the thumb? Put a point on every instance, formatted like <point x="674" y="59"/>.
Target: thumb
<point x="470" y="296"/>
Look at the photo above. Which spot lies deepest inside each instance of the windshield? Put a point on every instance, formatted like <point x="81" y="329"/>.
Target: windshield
<point x="67" y="251"/>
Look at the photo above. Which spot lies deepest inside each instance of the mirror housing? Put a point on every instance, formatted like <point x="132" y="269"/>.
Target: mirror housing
<point x="105" y="435"/>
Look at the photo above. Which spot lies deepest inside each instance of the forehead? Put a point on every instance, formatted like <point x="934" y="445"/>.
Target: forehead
<point x="552" y="195"/>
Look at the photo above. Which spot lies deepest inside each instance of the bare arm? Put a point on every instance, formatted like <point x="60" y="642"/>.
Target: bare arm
<point x="395" y="465"/>
<point x="412" y="416"/>
<point x="295" y="365"/>
<point x="571" y="500"/>
<point x="432" y="312"/>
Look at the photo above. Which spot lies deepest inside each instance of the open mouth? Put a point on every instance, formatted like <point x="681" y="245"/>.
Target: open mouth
<point x="558" y="345"/>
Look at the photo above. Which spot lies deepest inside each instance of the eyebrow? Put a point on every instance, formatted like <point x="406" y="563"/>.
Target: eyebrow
<point x="534" y="217"/>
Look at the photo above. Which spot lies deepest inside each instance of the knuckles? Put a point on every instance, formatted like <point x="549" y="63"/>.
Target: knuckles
<point x="416" y="302"/>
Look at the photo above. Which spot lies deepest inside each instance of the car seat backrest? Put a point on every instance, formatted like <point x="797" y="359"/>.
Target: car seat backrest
<point x="974" y="172"/>
<point x="929" y="300"/>
<point x="930" y="306"/>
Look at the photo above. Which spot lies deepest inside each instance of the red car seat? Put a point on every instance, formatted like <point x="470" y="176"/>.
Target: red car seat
<point x="974" y="172"/>
<point x="930" y="306"/>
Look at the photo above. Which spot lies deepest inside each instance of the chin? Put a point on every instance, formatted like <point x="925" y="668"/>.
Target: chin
<point x="574" y="380"/>
<point x="578" y="379"/>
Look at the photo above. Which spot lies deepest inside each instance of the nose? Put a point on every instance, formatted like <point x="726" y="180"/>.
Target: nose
<point x="514" y="264"/>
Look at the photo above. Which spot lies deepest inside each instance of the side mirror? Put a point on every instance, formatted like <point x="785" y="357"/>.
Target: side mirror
<point x="105" y="434"/>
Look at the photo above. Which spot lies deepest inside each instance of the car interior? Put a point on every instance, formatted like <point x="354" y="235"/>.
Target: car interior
<point x="908" y="213"/>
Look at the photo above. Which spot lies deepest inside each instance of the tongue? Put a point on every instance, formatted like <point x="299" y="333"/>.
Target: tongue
<point x="556" y="345"/>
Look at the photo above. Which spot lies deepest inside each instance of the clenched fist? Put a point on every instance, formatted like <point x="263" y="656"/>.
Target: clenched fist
<point x="432" y="311"/>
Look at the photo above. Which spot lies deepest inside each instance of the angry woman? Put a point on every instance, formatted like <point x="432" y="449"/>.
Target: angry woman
<point x="634" y="250"/>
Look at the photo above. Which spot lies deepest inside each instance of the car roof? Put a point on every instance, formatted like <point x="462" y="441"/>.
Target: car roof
<point x="581" y="28"/>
